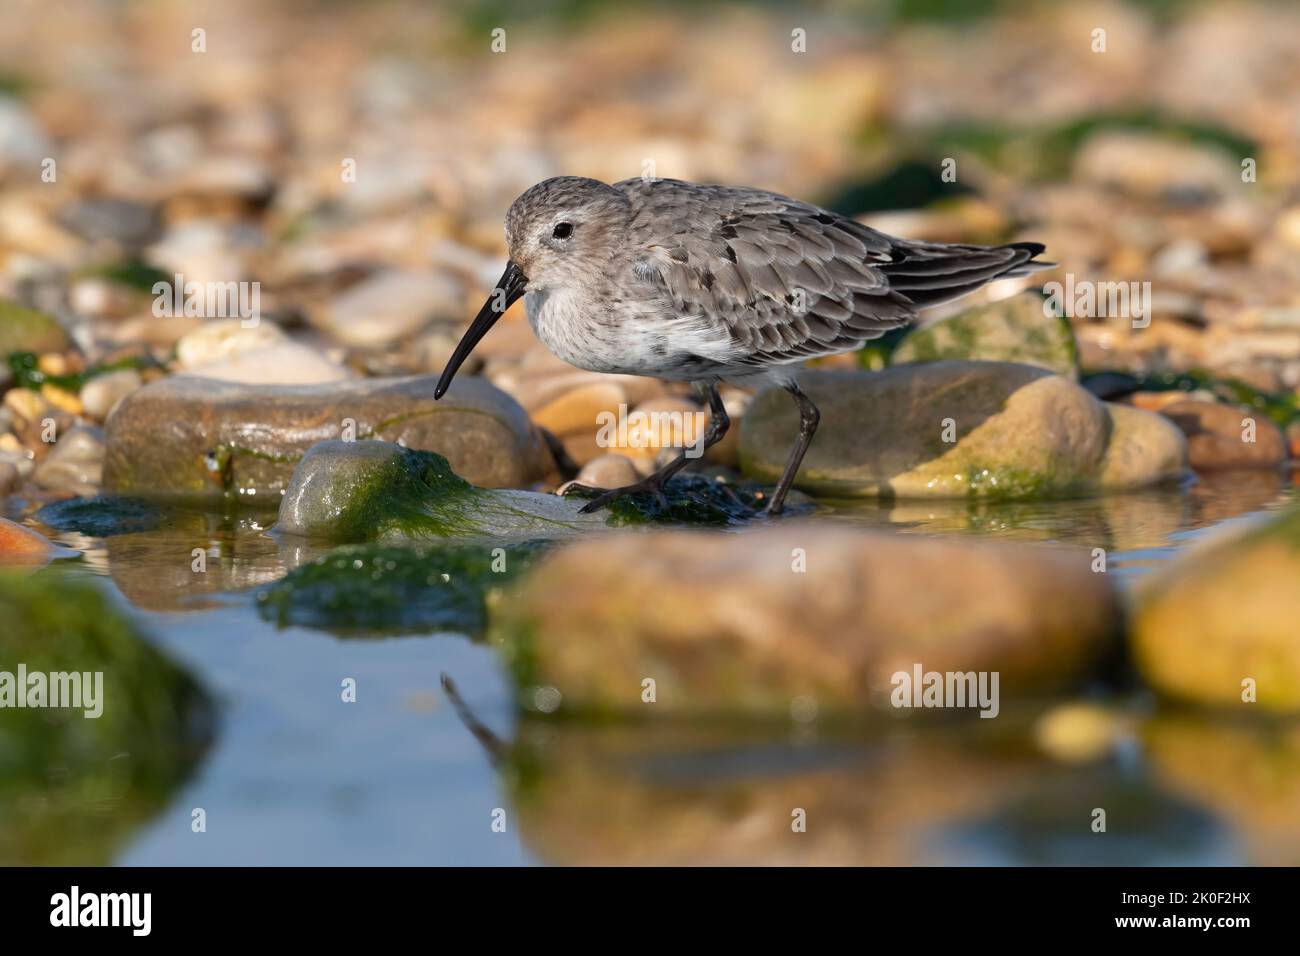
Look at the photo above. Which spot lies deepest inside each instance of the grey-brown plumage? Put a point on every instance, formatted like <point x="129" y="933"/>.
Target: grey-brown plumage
<point x="709" y="283"/>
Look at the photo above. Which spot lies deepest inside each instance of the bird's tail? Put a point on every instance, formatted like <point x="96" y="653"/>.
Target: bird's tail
<point x="930" y="273"/>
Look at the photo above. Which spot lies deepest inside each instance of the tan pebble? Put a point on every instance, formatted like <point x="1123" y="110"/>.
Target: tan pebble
<point x="582" y="448"/>
<point x="101" y="394"/>
<point x="1287" y="227"/>
<point x="1077" y="733"/>
<point x="53" y="363"/>
<point x="581" y="410"/>
<point x="1154" y="401"/>
<point x="10" y="442"/>
<point x="61" y="399"/>
<point x="666" y="422"/>
<point x="26" y="404"/>
<point x="607" y="471"/>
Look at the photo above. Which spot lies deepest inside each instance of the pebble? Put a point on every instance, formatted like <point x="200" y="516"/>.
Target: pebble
<point x="100" y="395"/>
<point x="607" y="471"/>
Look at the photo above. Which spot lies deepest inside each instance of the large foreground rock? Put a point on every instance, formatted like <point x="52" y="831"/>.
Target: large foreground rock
<point x="57" y="764"/>
<point x="1018" y="432"/>
<point x="1012" y="330"/>
<point x="727" y="622"/>
<point x="197" y="437"/>
<point x="1226" y="613"/>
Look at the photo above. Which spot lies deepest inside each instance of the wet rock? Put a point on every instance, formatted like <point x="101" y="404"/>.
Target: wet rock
<point x="1225" y="614"/>
<point x="76" y="464"/>
<point x="152" y="724"/>
<point x="1223" y="436"/>
<point x="951" y="429"/>
<point x="101" y="517"/>
<point x="735" y="627"/>
<point x="1013" y="330"/>
<point x="288" y="363"/>
<point x="198" y="437"/>
<point x="381" y="590"/>
<point x="100" y="395"/>
<point x="1143" y="449"/>
<point x="22" y="546"/>
<point x="371" y="490"/>
<point x="26" y="330"/>
<point x="390" y="306"/>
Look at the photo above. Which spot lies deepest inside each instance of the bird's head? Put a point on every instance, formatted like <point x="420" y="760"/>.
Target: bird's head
<point x="561" y="232"/>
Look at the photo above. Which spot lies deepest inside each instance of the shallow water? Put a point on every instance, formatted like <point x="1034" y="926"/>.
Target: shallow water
<point x="296" y="776"/>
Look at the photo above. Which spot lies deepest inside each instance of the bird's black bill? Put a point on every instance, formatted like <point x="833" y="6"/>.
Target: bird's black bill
<point x="509" y="287"/>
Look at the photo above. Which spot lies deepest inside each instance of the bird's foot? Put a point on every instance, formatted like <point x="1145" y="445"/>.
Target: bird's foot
<point x="603" y="499"/>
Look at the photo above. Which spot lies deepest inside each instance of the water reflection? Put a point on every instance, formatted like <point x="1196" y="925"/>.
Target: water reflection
<point x="1129" y="522"/>
<point x="960" y="792"/>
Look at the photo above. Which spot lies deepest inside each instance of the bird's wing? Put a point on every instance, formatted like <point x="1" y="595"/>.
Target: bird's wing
<point x="786" y="280"/>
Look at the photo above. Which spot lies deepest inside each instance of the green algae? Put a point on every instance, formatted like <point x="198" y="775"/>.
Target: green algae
<point x="1280" y="407"/>
<point x="73" y="788"/>
<point x="383" y="590"/>
<point x="1012" y="330"/>
<point x="25" y="367"/>
<point x="688" y="499"/>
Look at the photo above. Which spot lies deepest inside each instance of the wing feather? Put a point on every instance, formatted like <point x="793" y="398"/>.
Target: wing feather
<point x="785" y="280"/>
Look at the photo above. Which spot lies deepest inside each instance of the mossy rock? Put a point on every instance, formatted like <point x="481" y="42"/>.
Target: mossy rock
<point x="192" y="437"/>
<point x="375" y="491"/>
<point x="27" y="330"/>
<point x="956" y="429"/>
<point x="73" y="788"/>
<point x="1013" y="330"/>
<point x="385" y="590"/>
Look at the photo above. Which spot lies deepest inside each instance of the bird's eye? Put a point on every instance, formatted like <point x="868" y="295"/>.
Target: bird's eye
<point x="563" y="230"/>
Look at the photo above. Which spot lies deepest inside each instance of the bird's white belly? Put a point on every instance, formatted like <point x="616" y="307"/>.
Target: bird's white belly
<point x="638" y="340"/>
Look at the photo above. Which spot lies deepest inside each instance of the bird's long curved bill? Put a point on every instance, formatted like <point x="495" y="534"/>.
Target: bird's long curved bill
<point x="509" y="287"/>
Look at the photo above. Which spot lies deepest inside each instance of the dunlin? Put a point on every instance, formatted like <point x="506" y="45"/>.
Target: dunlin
<point x="710" y="284"/>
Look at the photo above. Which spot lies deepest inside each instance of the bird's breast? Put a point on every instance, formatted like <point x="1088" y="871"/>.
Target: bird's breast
<point x="573" y="328"/>
<point x="631" y="336"/>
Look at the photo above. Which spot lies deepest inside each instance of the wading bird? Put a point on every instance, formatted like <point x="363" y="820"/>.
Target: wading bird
<point x="710" y="284"/>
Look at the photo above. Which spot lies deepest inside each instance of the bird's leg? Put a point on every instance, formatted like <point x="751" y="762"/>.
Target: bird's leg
<point x="717" y="428"/>
<point x="808" y="419"/>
